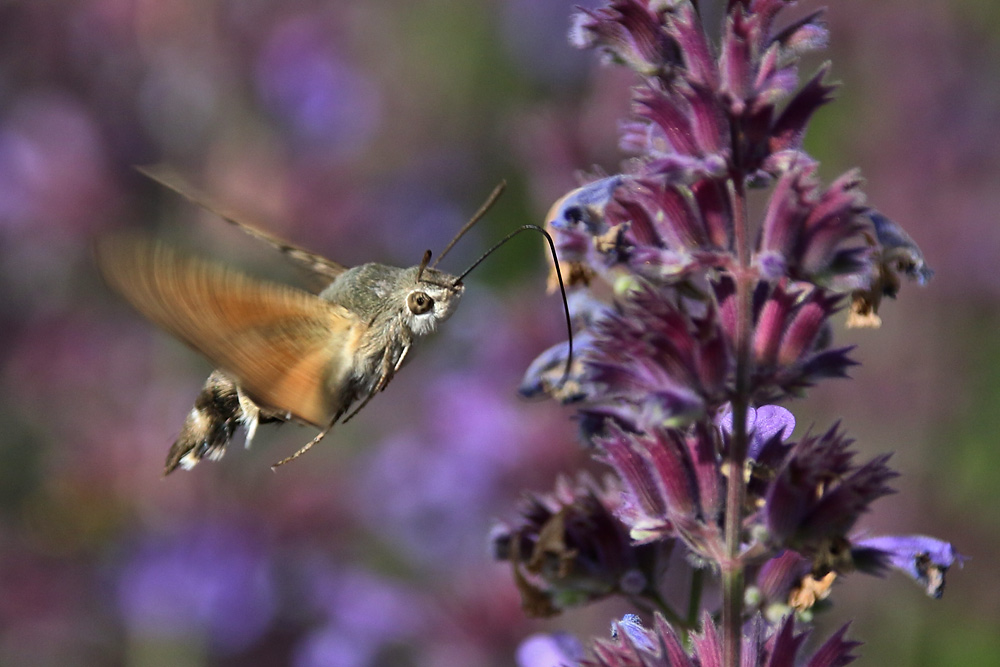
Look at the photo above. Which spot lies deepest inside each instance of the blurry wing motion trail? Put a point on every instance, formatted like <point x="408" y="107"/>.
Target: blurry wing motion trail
<point x="278" y="342"/>
<point x="317" y="264"/>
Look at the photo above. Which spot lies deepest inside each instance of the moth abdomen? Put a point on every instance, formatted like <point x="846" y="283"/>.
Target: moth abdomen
<point x="218" y="411"/>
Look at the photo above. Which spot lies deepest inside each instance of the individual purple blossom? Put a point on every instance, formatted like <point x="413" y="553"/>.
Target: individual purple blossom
<point x="818" y="494"/>
<point x="657" y="364"/>
<point x="548" y="373"/>
<point x="568" y="548"/>
<point x="627" y="31"/>
<point x="810" y="232"/>
<point x="895" y="255"/>
<point x="578" y="224"/>
<point x="767" y="425"/>
<point x="923" y="559"/>
<point x="790" y="341"/>
<point x="673" y="484"/>
<point x="679" y="119"/>
<point x="769" y="428"/>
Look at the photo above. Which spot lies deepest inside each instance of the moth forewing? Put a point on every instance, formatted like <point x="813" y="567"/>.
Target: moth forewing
<point x="285" y="347"/>
<point x="324" y="270"/>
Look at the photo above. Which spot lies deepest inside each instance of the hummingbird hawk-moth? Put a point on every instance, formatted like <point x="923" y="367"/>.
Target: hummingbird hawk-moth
<point x="281" y="353"/>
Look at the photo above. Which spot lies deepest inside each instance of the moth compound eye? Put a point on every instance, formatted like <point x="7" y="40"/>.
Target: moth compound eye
<point x="419" y="303"/>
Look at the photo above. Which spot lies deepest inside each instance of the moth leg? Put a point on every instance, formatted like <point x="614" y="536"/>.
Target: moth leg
<point x="388" y="370"/>
<point x="305" y="448"/>
<point x="399" y="362"/>
<point x="250" y="418"/>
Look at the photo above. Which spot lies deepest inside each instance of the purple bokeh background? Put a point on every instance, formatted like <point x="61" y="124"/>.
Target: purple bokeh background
<point x="370" y="131"/>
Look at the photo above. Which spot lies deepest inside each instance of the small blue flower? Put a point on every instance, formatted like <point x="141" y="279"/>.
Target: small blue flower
<point x="923" y="559"/>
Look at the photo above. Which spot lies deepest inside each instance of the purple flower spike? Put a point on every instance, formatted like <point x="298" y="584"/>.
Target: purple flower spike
<point x="708" y="307"/>
<point x="924" y="559"/>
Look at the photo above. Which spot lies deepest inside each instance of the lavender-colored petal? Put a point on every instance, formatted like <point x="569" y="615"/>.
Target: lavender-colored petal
<point x="771" y="421"/>
<point x="765" y="424"/>
<point x="631" y="630"/>
<point x="924" y="559"/>
<point x="899" y="250"/>
<point x="547" y="374"/>
<point x="585" y="205"/>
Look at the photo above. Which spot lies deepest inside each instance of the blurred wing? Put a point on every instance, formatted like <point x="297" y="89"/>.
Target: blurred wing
<point x="287" y="348"/>
<point x="322" y="266"/>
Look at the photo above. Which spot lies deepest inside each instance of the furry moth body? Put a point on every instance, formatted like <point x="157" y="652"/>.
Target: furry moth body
<point x="282" y="353"/>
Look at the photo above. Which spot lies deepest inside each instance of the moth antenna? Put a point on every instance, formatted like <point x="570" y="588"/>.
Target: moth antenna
<point x="562" y="285"/>
<point x="423" y="264"/>
<point x="483" y="210"/>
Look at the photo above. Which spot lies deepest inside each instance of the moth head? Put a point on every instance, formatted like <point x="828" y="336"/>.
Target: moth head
<point x="431" y="299"/>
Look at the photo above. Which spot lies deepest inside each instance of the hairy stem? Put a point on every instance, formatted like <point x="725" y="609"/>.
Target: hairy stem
<point x="732" y="565"/>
